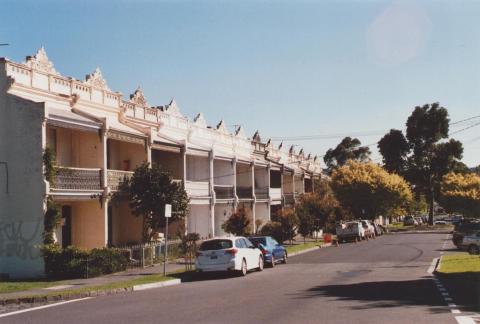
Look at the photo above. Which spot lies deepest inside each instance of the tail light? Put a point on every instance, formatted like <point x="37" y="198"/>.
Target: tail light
<point x="198" y="254"/>
<point x="263" y="250"/>
<point x="231" y="251"/>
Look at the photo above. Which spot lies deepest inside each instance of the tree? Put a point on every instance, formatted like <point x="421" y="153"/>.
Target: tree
<point x="429" y="157"/>
<point x="394" y="148"/>
<point x="148" y="190"/>
<point x="316" y="210"/>
<point x="238" y="223"/>
<point x="283" y="225"/>
<point x="368" y="191"/>
<point x="461" y="193"/>
<point x="348" y="149"/>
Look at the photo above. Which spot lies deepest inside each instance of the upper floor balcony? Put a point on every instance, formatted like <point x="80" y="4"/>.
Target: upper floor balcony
<point x="77" y="179"/>
<point x="197" y="189"/>
<point x="224" y="191"/>
<point x="275" y="193"/>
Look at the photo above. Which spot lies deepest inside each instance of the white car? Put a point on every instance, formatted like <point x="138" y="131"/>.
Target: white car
<point x="230" y="253"/>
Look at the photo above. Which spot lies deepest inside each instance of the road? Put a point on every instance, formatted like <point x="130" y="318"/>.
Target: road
<point x="380" y="281"/>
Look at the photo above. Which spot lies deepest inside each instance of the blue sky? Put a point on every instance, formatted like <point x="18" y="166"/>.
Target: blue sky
<point x="287" y="68"/>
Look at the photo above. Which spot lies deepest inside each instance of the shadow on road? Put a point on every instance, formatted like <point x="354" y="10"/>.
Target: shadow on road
<point x="190" y="276"/>
<point x="382" y="294"/>
<point x="464" y="288"/>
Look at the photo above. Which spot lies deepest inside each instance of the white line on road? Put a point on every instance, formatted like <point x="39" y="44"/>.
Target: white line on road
<point x="464" y="320"/>
<point x="42" y="307"/>
<point x="432" y="266"/>
<point x="455" y="311"/>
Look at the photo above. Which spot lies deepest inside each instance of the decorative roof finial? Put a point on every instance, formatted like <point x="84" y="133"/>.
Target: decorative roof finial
<point x="40" y="62"/>
<point x="239" y="132"/>
<point x="200" y="120"/>
<point x="256" y="137"/>
<point x="96" y="80"/>
<point x="222" y="128"/>
<point x="138" y="98"/>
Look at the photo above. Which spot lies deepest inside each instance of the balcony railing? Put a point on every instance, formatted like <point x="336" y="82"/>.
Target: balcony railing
<point x="116" y="177"/>
<point x="289" y="198"/>
<point x="197" y="188"/>
<point x="261" y="193"/>
<point x="223" y="191"/>
<point x="244" y="193"/>
<point x="80" y="179"/>
<point x="276" y="193"/>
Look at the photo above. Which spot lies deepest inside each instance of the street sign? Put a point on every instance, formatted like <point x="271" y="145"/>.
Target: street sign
<point x="168" y="210"/>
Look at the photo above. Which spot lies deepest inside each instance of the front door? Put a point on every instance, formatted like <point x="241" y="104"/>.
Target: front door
<point x="66" y="226"/>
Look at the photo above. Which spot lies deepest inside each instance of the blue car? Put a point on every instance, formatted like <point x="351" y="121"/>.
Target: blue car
<point x="272" y="251"/>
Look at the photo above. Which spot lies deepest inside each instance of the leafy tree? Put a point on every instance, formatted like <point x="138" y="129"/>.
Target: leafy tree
<point x="148" y="190"/>
<point x="429" y="157"/>
<point x="238" y="223"/>
<point x="348" y="149"/>
<point x="283" y="225"/>
<point x="305" y="222"/>
<point x="461" y="193"/>
<point x="367" y="190"/>
<point x="394" y="148"/>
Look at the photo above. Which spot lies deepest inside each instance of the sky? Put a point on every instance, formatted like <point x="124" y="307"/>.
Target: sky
<point x="287" y="68"/>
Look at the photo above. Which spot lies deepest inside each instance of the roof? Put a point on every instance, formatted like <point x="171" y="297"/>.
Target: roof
<point x="67" y="118"/>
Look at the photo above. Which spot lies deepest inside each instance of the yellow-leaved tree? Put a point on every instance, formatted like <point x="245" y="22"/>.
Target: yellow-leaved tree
<point x="461" y="193"/>
<point x="368" y="190"/>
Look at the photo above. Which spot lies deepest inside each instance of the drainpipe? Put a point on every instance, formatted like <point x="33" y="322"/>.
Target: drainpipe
<point x="235" y="196"/>
<point x="212" y="194"/>
<point x="254" y="203"/>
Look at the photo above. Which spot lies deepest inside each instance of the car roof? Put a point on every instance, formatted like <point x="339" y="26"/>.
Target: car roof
<point x="231" y="238"/>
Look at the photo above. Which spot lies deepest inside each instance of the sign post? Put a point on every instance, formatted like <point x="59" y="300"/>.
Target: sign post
<point x="168" y="214"/>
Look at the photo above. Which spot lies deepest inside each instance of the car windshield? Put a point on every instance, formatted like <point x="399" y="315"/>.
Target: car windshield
<point x="215" y="245"/>
<point x="258" y="240"/>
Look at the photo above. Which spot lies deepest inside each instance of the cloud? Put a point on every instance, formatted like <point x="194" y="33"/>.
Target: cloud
<point x="399" y="33"/>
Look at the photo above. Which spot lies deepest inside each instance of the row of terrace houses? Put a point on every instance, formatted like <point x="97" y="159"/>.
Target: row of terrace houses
<point x="99" y="138"/>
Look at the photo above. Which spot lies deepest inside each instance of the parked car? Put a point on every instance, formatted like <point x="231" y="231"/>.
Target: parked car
<point x="353" y="231"/>
<point x="419" y="220"/>
<point x="409" y="220"/>
<point x="369" y="229"/>
<point x="378" y="229"/>
<point x="272" y="251"/>
<point x="463" y="229"/>
<point x="230" y="253"/>
<point x="471" y="243"/>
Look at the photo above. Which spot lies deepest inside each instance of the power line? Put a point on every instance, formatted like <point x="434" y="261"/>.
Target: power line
<point x="465" y="128"/>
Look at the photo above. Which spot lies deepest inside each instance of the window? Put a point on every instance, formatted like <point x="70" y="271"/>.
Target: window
<point x="247" y="243"/>
<point x="215" y="245"/>
<point x="240" y="244"/>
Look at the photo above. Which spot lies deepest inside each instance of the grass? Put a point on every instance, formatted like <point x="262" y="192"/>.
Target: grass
<point x="13" y="286"/>
<point x="16" y="286"/>
<point x="399" y="227"/>
<point x="459" y="263"/>
<point x="297" y="247"/>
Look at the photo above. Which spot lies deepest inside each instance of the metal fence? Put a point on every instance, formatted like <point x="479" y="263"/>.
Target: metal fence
<point x="149" y="254"/>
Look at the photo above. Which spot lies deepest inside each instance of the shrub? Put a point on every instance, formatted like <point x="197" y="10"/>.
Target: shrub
<point x="73" y="262"/>
<point x="273" y="229"/>
<point x="238" y="223"/>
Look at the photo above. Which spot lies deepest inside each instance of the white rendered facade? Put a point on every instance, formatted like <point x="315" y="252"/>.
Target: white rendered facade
<point x="99" y="138"/>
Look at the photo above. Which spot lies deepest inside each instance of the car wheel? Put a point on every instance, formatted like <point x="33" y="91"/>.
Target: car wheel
<point x="272" y="264"/>
<point x="285" y="258"/>
<point x="473" y="249"/>
<point x="260" y="263"/>
<point x="243" y="270"/>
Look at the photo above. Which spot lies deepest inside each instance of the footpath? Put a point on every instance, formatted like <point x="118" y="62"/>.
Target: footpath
<point x="130" y="280"/>
<point x="127" y="281"/>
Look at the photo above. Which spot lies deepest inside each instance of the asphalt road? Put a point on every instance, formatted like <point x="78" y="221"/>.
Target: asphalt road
<point x="380" y="281"/>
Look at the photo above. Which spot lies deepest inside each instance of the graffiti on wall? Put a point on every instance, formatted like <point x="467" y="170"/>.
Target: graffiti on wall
<point x="20" y="240"/>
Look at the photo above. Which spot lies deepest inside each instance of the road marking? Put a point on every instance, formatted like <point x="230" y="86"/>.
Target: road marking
<point x="455" y="311"/>
<point x="448" y="299"/>
<point x="59" y="287"/>
<point x="451" y="305"/>
<point x="464" y="320"/>
<point x="42" y="307"/>
<point x="432" y="266"/>
<point x="444" y="294"/>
